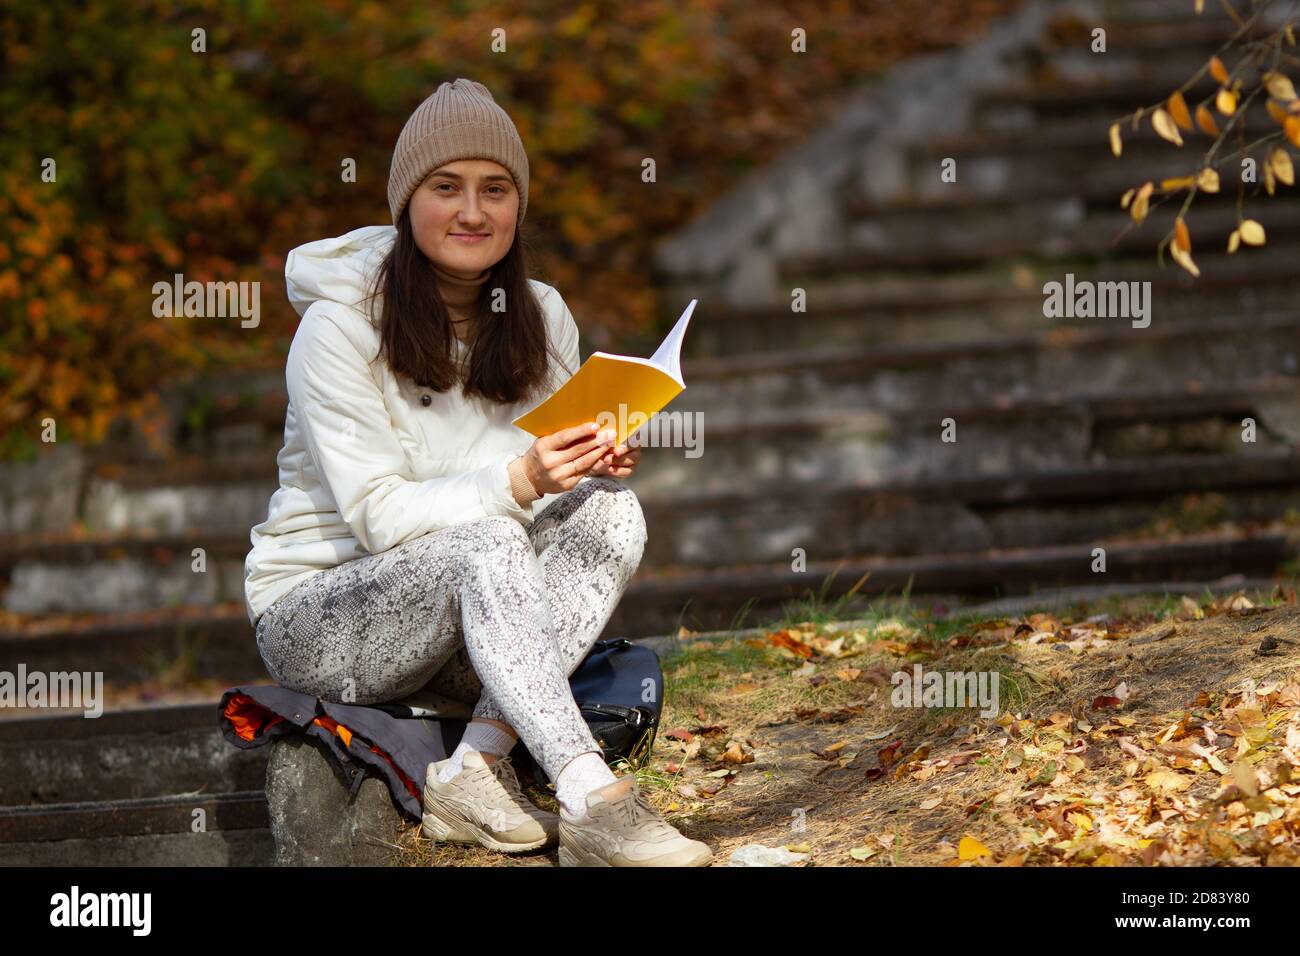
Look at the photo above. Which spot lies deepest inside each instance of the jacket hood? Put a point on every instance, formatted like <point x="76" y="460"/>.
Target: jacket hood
<point x="338" y="269"/>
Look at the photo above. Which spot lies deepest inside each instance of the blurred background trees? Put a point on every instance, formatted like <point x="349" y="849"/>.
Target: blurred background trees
<point x="214" y="164"/>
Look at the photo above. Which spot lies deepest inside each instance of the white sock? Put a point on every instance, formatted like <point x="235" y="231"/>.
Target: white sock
<point x="483" y="737"/>
<point x="581" y="775"/>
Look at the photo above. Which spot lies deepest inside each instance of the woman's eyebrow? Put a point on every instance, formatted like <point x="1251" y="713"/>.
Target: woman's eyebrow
<point x="490" y="178"/>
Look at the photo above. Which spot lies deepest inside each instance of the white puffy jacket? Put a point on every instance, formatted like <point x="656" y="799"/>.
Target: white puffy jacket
<point x="365" y="465"/>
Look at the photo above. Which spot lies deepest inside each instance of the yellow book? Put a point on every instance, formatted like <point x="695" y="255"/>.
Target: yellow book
<point x="614" y="391"/>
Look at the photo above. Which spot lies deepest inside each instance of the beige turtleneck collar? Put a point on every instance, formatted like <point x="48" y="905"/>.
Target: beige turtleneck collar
<point x="460" y="294"/>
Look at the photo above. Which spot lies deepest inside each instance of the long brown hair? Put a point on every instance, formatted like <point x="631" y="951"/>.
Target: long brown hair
<point x="508" y="359"/>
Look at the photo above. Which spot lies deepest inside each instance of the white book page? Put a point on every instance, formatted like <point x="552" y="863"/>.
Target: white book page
<point x="669" y="354"/>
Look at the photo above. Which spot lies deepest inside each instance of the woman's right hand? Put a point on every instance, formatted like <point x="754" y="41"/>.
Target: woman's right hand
<point x="557" y="462"/>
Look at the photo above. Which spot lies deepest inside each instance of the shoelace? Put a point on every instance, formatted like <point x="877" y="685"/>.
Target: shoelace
<point x="503" y="770"/>
<point x="638" y="809"/>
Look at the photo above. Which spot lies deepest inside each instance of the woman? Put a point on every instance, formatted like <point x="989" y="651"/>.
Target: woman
<point x="420" y="540"/>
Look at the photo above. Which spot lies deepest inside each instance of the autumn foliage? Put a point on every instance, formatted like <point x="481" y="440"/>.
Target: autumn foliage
<point x="1260" y="56"/>
<point x="215" y="163"/>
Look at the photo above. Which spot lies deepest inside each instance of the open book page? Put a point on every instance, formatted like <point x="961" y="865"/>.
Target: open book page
<point x="615" y="391"/>
<point x="669" y="354"/>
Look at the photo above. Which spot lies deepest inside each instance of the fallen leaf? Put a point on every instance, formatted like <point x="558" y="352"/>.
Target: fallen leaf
<point x="1167" y="781"/>
<point x="972" y="849"/>
<point x="1244" y="775"/>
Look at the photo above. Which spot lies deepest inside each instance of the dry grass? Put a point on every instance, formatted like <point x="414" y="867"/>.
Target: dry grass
<point x="761" y="745"/>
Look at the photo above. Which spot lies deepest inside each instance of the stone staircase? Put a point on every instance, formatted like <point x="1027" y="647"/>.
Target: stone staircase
<point x="821" y="428"/>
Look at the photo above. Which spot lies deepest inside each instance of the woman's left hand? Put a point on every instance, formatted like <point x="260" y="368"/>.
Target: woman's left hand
<point x="618" y="462"/>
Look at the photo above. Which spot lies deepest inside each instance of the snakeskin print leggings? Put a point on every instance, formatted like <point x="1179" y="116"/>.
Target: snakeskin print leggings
<point x="487" y="610"/>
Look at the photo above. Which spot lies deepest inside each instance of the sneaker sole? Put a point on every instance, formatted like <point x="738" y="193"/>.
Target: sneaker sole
<point x="579" y="857"/>
<point x="445" y="828"/>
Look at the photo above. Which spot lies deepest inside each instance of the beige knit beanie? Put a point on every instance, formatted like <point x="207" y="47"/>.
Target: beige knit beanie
<point x="459" y="120"/>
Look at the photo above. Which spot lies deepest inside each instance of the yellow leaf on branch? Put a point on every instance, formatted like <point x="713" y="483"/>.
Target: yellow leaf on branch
<point x="1182" y="238"/>
<point x="1205" y="120"/>
<point x="1178" y="110"/>
<point x="1208" y="181"/>
<point x="1292" y="129"/>
<point x="1252" y="233"/>
<point x="1165" y="128"/>
<point x="1141" y="202"/>
<point x="1218" y="70"/>
<point x="1226" y="102"/>
<point x="1184" y="259"/>
<point x="1280" y="86"/>
<point x="1116" y="145"/>
<point x="1234" y="241"/>
<point x="1280" y="162"/>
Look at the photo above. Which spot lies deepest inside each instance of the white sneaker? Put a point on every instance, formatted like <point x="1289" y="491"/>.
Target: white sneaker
<point x="483" y="804"/>
<point x="623" y="830"/>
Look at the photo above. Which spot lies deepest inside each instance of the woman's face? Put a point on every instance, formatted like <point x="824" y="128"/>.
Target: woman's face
<point x="458" y="202"/>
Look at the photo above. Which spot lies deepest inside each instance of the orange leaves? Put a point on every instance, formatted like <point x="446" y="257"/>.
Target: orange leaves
<point x="1292" y="130"/>
<point x="1141" y="202"/>
<point x="1205" y="120"/>
<point x="1178" y="111"/>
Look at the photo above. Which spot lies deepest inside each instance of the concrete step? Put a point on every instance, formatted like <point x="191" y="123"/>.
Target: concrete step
<point x="850" y="304"/>
<point x="730" y="525"/>
<point x="804" y="448"/>
<point x="165" y="646"/>
<point x="833" y="442"/>
<point x="715" y="599"/>
<point x="1065" y="144"/>
<point x="125" y="755"/>
<point x="885" y="376"/>
<point x="1137" y="83"/>
<point x="1069" y="506"/>
<point x="151" y="831"/>
<point x="1059" y="229"/>
<point x="1082" y="360"/>
<point x="697" y="527"/>
<point x="657" y="596"/>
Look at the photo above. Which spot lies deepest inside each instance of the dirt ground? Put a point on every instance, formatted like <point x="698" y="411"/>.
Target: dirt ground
<point x="1165" y="736"/>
